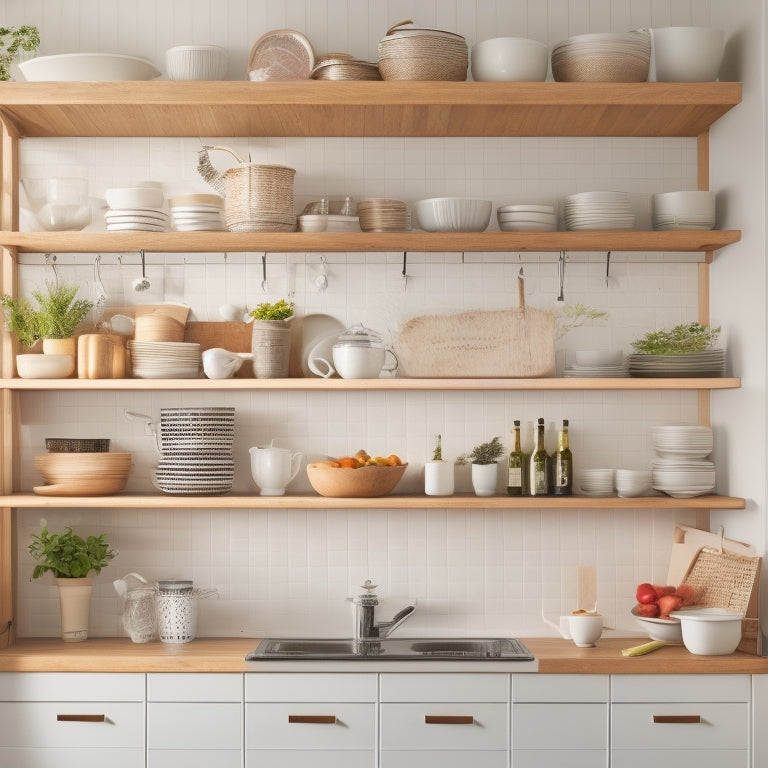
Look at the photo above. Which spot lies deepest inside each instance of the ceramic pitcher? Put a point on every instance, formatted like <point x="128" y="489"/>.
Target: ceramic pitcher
<point x="273" y="468"/>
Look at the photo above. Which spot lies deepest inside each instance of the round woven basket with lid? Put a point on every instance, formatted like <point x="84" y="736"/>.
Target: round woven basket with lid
<point x="422" y="54"/>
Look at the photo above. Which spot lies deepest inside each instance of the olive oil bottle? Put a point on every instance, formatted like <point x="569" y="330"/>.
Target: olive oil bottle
<point x="562" y="465"/>
<point x="516" y="463"/>
<point x="538" y="483"/>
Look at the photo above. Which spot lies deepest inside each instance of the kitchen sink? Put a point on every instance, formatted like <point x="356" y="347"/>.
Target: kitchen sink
<point x="399" y="649"/>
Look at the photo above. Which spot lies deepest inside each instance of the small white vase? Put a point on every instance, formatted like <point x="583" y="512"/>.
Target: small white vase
<point x="438" y="478"/>
<point x="75" y="604"/>
<point x="484" y="478"/>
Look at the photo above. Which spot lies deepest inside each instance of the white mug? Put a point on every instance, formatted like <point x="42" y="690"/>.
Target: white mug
<point x="273" y="468"/>
<point x="585" y="629"/>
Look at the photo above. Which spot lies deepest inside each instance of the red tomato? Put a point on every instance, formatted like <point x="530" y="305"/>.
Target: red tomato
<point x="646" y="593"/>
<point x="649" y="610"/>
<point x="662" y="589"/>
<point x="667" y="604"/>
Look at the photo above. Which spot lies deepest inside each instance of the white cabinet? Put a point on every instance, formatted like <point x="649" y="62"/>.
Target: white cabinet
<point x="560" y="720"/>
<point x="50" y="720"/>
<point x="194" y="720"/>
<point x="293" y="720"/>
<point x="671" y="721"/>
<point x="444" y="720"/>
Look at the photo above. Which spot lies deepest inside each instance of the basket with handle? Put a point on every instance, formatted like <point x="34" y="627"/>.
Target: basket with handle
<point x="257" y="197"/>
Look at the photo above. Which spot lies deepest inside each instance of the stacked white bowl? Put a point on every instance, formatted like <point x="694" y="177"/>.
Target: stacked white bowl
<point x="597" y="482"/>
<point x="598" y="210"/>
<point x="680" y="469"/>
<point x="197" y="212"/>
<point x="633" y="482"/>
<point x="527" y="218"/>
<point x="137" y="208"/>
<point x="683" y="210"/>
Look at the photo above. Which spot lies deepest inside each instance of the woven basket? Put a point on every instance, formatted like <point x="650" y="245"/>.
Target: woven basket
<point x="271" y="347"/>
<point x="422" y="54"/>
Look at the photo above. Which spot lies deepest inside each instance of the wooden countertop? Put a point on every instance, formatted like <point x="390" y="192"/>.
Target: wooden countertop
<point x="228" y="655"/>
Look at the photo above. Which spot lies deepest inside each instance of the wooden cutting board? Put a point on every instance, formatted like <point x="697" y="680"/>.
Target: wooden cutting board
<point x="513" y="343"/>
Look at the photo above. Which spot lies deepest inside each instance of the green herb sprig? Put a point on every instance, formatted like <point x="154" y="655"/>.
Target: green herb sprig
<point x="683" y="339"/>
<point x="280" y="310"/>
<point x="68" y="555"/>
<point x="485" y="453"/>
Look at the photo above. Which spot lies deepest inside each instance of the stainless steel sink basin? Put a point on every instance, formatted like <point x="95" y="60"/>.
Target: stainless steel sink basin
<point x="499" y="649"/>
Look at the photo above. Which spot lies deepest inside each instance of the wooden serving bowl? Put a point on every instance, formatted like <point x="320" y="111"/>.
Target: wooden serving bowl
<point x="363" y="482"/>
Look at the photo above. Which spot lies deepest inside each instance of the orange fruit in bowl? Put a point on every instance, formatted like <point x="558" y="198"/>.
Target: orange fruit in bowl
<point x="348" y="462"/>
<point x="393" y="460"/>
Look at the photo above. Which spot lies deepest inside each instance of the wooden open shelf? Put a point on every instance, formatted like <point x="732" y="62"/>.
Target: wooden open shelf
<point x="391" y="501"/>
<point x="328" y="108"/>
<point x="383" y="384"/>
<point x="354" y="242"/>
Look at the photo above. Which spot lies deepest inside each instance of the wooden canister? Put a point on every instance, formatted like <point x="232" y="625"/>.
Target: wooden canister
<point x="100" y="356"/>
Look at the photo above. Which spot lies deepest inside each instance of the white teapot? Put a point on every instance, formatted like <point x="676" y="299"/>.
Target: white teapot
<point x="273" y="468"/>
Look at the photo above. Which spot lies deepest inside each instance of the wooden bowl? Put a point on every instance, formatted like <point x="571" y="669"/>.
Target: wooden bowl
<point x="76" y="473"/>
<point x="364" y="482"/>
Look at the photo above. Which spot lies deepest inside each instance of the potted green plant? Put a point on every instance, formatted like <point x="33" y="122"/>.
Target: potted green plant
<point x="24" y="38"/>
<point x="54" y="320"/>
<point x="271" y="339"/>
<point x="684" y="339"/>
<point x="70" y="558"/>
<point x="484" y="459"/>
<point x="438" y="473"/>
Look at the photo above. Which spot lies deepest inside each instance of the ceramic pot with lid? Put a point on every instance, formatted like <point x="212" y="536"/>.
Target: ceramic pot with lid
<point x="359" y="353"/>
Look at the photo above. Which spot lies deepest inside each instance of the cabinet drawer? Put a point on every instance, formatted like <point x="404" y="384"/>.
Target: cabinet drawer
<point x="560" y="688"/>
<point x="320" y="687"/>
<point x="445" y="687"/>
<point x="71" y="686"/>
<point x="693" y="688"/>
<point x="193" y="758"/>
<point x="577" y="726"/>
<point x="58" y="757"/>
<point x="194" y="726"/>
<point x="548" y="758"/>
<point x="307" y="758"/>
<point x="444" y="759"/>
<point x="119" y="725"/>
<point x="717" y="726"/>
<point x="472" y="726"/>
<point x="191" y="686"/>
<point x="313" y="725"/>
<point x="675" y="758"/>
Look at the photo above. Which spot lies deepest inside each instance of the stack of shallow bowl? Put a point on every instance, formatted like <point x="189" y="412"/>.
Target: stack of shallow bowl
<point x="619" y="57"/>
<point x="165" y="359"/>
<point x="527" y="218"/>
<point x="135" y="209"/>
<point x="598" y="210"/>
<point x="196" y="446"/>
<point x="597" y="482"/>
<point x="382" y="214"/>
<point x="341" y="66"/>
<point x="193" y="212"/>
<point x="453" y="214"/>
<point x="422" y="54"/>
<point x="683" y="210"/>
<point x="681" y="469"/>
<point x="81" y="473"/>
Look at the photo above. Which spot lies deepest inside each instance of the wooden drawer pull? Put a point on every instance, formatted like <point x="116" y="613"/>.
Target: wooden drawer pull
<point x="81" y="718"/>
<point x="449" y="719"/>
<point x="323" y="719"/>
<point x="677" y="718"/>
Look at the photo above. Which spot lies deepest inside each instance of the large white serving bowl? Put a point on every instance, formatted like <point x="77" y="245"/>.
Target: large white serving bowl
<point x="453" y="214"/>
<point x="35" y="366"/>
<point x="87" y="67"/>
<point x="196" y="62"/>
<point x="687" y="54"/>
<point x="510" y="59"/>
<point x="710" y="631"/>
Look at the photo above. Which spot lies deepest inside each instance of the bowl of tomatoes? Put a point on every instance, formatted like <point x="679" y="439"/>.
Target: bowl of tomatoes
<point x="358" y="476"/>
<point x="656" y="602"/>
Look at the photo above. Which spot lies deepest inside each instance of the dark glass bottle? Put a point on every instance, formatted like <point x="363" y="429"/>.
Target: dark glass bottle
<point x="515" y="472"/>
<point x="538" y="483"/>
<point x="562" y="469"/>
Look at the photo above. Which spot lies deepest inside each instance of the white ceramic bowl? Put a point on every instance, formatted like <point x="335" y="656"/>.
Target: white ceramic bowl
<point x="633" y="482"/>
<point x="665" y="630"/>
<point x="510" y="59"/>
<point x="34" y="366"/>
<point x="123" y="198"/>
<point x="453" y="214"/>
<point x="196" y="62"/>
<point x="87" y="67"/>
<point x="687" y="54"/>
<point x="710" y="631"/>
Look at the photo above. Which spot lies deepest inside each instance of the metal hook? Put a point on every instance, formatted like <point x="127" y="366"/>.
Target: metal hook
<point x="561" y="272"/>
<point x="607" y="267"/>
<point x="405" y="274"/>
<point x="264" y="272"/>
<point x="321" y="281"/>
<point x="50" y="261"/>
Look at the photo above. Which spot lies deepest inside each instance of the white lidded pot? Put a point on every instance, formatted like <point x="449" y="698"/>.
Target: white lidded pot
<point x="359" y="353"/>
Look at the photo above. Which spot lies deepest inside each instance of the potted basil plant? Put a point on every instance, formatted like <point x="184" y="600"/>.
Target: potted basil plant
<point x="485" y="469"/>
<point x="70" y="558"/>
<point x="271" y="339"/>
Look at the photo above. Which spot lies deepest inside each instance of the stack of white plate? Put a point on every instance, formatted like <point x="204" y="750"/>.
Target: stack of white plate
<point x="197" y="213"/>
<point x="683" y="210"/>
<point x="598" y="210"/>
<point x="196" y="451"/>
<point x="597" y="482"/>
<point x="527" y="218"/>
<point x="381" y="214"/>
<point x="165" y="359"/>
<point x="709" y="363"/>
<point x="597" y="364"/>
<point x="136" y="220"/>
<point x="681" y="469"/>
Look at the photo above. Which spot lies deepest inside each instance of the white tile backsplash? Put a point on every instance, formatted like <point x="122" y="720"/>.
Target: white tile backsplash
<point x="289" y="571"/>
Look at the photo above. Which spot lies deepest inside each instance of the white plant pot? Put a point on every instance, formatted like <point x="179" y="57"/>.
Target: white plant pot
<point x="484" y="479"/>
<point x="75" y="603"/>
<point x="438" y="478"/>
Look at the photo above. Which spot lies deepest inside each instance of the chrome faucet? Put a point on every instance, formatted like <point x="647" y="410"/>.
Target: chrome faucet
<point x="366" y="626"/>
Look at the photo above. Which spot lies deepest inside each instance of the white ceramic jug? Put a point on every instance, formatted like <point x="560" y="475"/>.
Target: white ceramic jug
<point x="273" y="468"/>
<point x="220" y="363"/>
